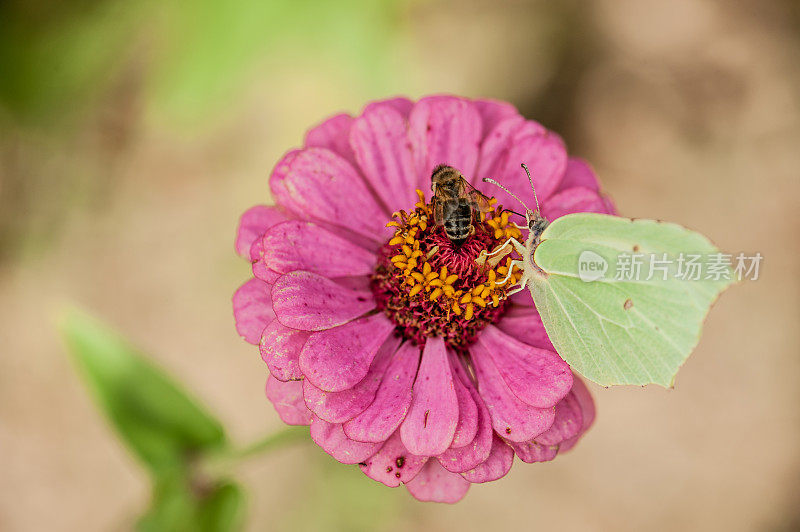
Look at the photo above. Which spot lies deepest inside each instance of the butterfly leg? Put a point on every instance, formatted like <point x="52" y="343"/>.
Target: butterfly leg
<point x="518" y="263"/>
<point x="504" y="248"/>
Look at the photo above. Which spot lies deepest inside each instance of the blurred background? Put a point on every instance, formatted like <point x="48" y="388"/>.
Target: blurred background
<point x="133" y="133"/>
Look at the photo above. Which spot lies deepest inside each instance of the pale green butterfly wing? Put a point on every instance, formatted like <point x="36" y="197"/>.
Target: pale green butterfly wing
<point x="621" y="328"/>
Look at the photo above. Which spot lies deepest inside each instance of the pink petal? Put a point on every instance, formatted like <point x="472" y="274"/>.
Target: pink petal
<point x="393" y="464"/>
<point x="297" y="245"/>
<point x="381" y="418"/>
<point x="252" y="309"/>
<point x="287" y="398"/>
<point x="511" y="418"/>
<point x="493" y="112"/>
<point x="579" y="174"/>
<point x="332" y="134"/>
<point x="465" y="458"/>
<point x="567" y="423"/>
<point x="538" y="377"/>
<point x="338" y="407"/>
<point x="322" y="185"/>
<point x="586" y="402"/>
<point x="280" y="348"/>
<point x="277" y="179"/>
<point x="260" y="270"/>
<point x="496" y="466"/>
<point x="337" y="359"/>
<point x="525" y="324"/>
<point x="333" y="441"/>
<point x="495" y="146"/>
<point x="383" y="152"/>
<point x="310" y="302"/>
<point x="436" y="484"/>
<point x="543" y="151"/>
<point x="400" y="104"/>
<point x="431" y="422"/>
<point x="609" y="205"/>
<point x="444" y="130"/>
<point x="531" y="451"/>
<point x="571" y="200"/>
<point x="467" y="427"/>
<point x="253" y="223"/>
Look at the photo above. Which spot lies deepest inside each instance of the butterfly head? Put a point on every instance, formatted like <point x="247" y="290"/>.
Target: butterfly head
<point x="535" y="221"/>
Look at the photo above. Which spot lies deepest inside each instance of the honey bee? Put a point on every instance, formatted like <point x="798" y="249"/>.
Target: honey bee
<point x="455" y="203"/>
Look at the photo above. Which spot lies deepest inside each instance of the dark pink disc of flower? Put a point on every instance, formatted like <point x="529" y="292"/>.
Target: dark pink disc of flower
<point x="418" y="389"/>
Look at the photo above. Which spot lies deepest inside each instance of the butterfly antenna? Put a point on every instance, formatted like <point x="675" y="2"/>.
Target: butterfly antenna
<point x="530" y="180"/>
<point x="492" y="181"/>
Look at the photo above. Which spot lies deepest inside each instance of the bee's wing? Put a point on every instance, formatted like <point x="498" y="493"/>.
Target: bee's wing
<point x="438" y="210"/>
<point x="479" y="201"/>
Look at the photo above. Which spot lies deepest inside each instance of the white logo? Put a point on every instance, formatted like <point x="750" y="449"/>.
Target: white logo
<point x="591" y="266"/>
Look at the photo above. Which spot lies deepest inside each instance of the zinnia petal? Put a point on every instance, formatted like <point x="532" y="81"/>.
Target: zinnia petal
<point x="571" y="200"/>
<point x="536" y="376"/>
<point x="431" y="421"/>
<point x="586" y="402"/>
<point x="542" y="151"/>
<point x="253" y="223"/>
<point x="321" y="185"/>
<point x="525" y="324"/>
<point x="493" y="112"/>
<point x="393" y="464"/>
<point x="436" y="484"/>
<point x="332" y="134"/>
<point x="462" y="459"/>
<point x="310" y="302"/>
<point x="496" y="466"/>
<point x="260" y="269"/>
<point x="579" y="174"/>
<point x="338" y="407"/>
<point x="531" y="451"/>
<point x="337" y="359"/>
<point x="297" y="245"/>
<point x="335" y="442"/>
<point x="400" y="104"/>
<point x="467" y="427"/>
<point x="280" y="348"/>
<point x="277" y="179"/>
<point x="252" y="309"/>
<point x="567" y="423"/>
<point x="512" y="418"/>
<point x="383" y="152"/>
<point x="381" y="418"/>
<point x="444" y="130"/>
<point x="287" y="398"/>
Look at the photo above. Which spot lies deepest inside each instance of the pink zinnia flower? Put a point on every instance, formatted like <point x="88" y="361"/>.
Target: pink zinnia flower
<point x="401" y="352"/>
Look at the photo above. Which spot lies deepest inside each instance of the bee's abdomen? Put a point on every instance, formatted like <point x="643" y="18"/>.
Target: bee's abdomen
<point x="458" y="223"/>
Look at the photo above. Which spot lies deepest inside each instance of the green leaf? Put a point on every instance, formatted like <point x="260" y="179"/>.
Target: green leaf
<point x="178" y="505"/>
<point x="626" y="330"/>
<point x="158" y="420"/>
<point x="222" y="510"/>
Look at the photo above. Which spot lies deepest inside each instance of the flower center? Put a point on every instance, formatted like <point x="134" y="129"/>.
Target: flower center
<point x="429" y="287"/>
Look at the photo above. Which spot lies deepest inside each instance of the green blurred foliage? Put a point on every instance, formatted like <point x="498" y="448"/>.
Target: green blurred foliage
<point x="176" y="507"/>
<point x="159" y="422"/>
<point x="162" y="425"/>
<point x="192" y="57"/>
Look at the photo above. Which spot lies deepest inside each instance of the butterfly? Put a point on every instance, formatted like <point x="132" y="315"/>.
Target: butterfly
<point x="635" y="324"/>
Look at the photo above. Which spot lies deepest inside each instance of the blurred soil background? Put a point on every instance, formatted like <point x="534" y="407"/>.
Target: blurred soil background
<point x="133" y="133"/>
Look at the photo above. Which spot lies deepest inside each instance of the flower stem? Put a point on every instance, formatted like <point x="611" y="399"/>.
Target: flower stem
<point x="271" y="442"/>
<point x="226" y="460"/>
